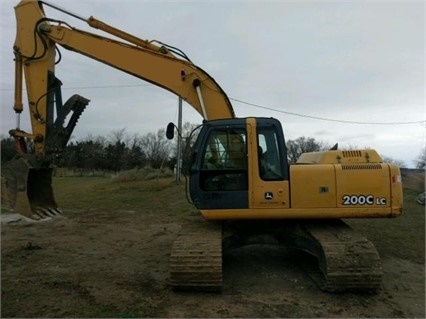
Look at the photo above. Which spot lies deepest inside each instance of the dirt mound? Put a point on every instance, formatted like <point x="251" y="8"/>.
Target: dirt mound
<point x="413" y="179"/>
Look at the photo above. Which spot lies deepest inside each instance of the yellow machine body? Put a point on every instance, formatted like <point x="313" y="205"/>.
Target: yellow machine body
<point x="321" y="185"/>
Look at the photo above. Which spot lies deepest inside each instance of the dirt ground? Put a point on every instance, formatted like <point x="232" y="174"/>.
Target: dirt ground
<point x="91" y="263"/>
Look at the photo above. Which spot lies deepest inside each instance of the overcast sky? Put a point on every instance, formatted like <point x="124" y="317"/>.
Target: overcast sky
<point x="358" y="61"/>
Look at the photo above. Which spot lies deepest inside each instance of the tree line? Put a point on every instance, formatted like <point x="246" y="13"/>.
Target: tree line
<point x="116" y="152"/>
<point x="122" y="151"/>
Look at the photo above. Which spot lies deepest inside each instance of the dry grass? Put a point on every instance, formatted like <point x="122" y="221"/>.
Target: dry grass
<point x="142" y="175"/>
<point x="132" y="190"/>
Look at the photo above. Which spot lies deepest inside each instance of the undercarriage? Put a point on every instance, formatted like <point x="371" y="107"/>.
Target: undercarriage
<point x="335" y="256"/>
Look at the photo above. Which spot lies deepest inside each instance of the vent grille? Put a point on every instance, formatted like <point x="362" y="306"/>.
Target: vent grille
<point x="361" y="166"/>
<point x="352" y="153"/>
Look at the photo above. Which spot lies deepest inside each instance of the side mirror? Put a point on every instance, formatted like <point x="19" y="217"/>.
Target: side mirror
<point x="170" y="131"/>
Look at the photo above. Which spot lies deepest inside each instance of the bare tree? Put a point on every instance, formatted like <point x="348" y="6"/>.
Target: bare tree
<point x="156" y="147"/>
<point x="117" y="149"/>
<point x="135" y="156"/>
<point x="301" y="145"/>
<point x="118" y="136"/>
<point x="421" y="159"/>
<point x="388" y="159"/>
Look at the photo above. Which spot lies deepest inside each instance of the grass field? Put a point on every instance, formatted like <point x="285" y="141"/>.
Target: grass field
<point x="127" y="191"/>
<point x="108" y="257"/>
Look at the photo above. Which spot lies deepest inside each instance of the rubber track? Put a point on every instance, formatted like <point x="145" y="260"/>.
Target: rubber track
<point x="196" y="257"/>
<point x="347" y="260"/>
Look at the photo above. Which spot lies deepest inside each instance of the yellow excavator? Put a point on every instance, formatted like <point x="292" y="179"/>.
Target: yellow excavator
<point x="239" y="176"/>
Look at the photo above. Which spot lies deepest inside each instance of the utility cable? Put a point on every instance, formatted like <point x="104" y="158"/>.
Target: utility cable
<point x="258" y="106"/>
<point x="326" y="119"/>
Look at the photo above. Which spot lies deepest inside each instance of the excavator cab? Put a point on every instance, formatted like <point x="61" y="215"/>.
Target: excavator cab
<point x="238" y="161"/>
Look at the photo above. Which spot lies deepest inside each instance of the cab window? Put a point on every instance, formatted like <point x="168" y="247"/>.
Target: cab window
<point x="270" y="159"/>
<point x="224" y="162"/>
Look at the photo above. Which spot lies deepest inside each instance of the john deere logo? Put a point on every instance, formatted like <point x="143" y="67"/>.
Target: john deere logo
<point x="269" y="195"/>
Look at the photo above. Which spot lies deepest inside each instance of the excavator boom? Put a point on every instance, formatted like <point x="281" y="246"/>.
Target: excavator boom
<point x="36" y="48"/>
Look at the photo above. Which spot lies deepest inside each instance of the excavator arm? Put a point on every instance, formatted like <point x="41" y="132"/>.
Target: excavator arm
<point x="36" y="56"/>
<point x="35" y="51"/>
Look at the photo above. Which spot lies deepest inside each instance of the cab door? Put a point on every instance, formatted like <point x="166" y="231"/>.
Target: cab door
<point x="269" y="179"/>
<point x="219" y="171"/>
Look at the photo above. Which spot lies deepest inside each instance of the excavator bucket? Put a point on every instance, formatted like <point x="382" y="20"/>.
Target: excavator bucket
<point x="27" y="190"/>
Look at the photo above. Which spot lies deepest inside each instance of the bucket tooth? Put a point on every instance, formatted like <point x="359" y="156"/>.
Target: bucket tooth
<point x="41" y="212"/>
<point x="35" y="217"/>
<point x="55" y="211"/>
<point x="46" y="212"/>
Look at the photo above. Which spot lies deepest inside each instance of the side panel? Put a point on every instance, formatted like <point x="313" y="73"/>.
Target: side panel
<point x="313" y="186"/>
<point x="363" y="185"/>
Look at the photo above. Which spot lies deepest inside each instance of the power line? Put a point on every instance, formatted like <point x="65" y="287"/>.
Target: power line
<point x="326" y="119"/>
<point x="256" y="105"/>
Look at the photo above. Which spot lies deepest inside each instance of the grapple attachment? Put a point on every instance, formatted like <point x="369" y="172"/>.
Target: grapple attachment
<point x="27" y="189"/>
